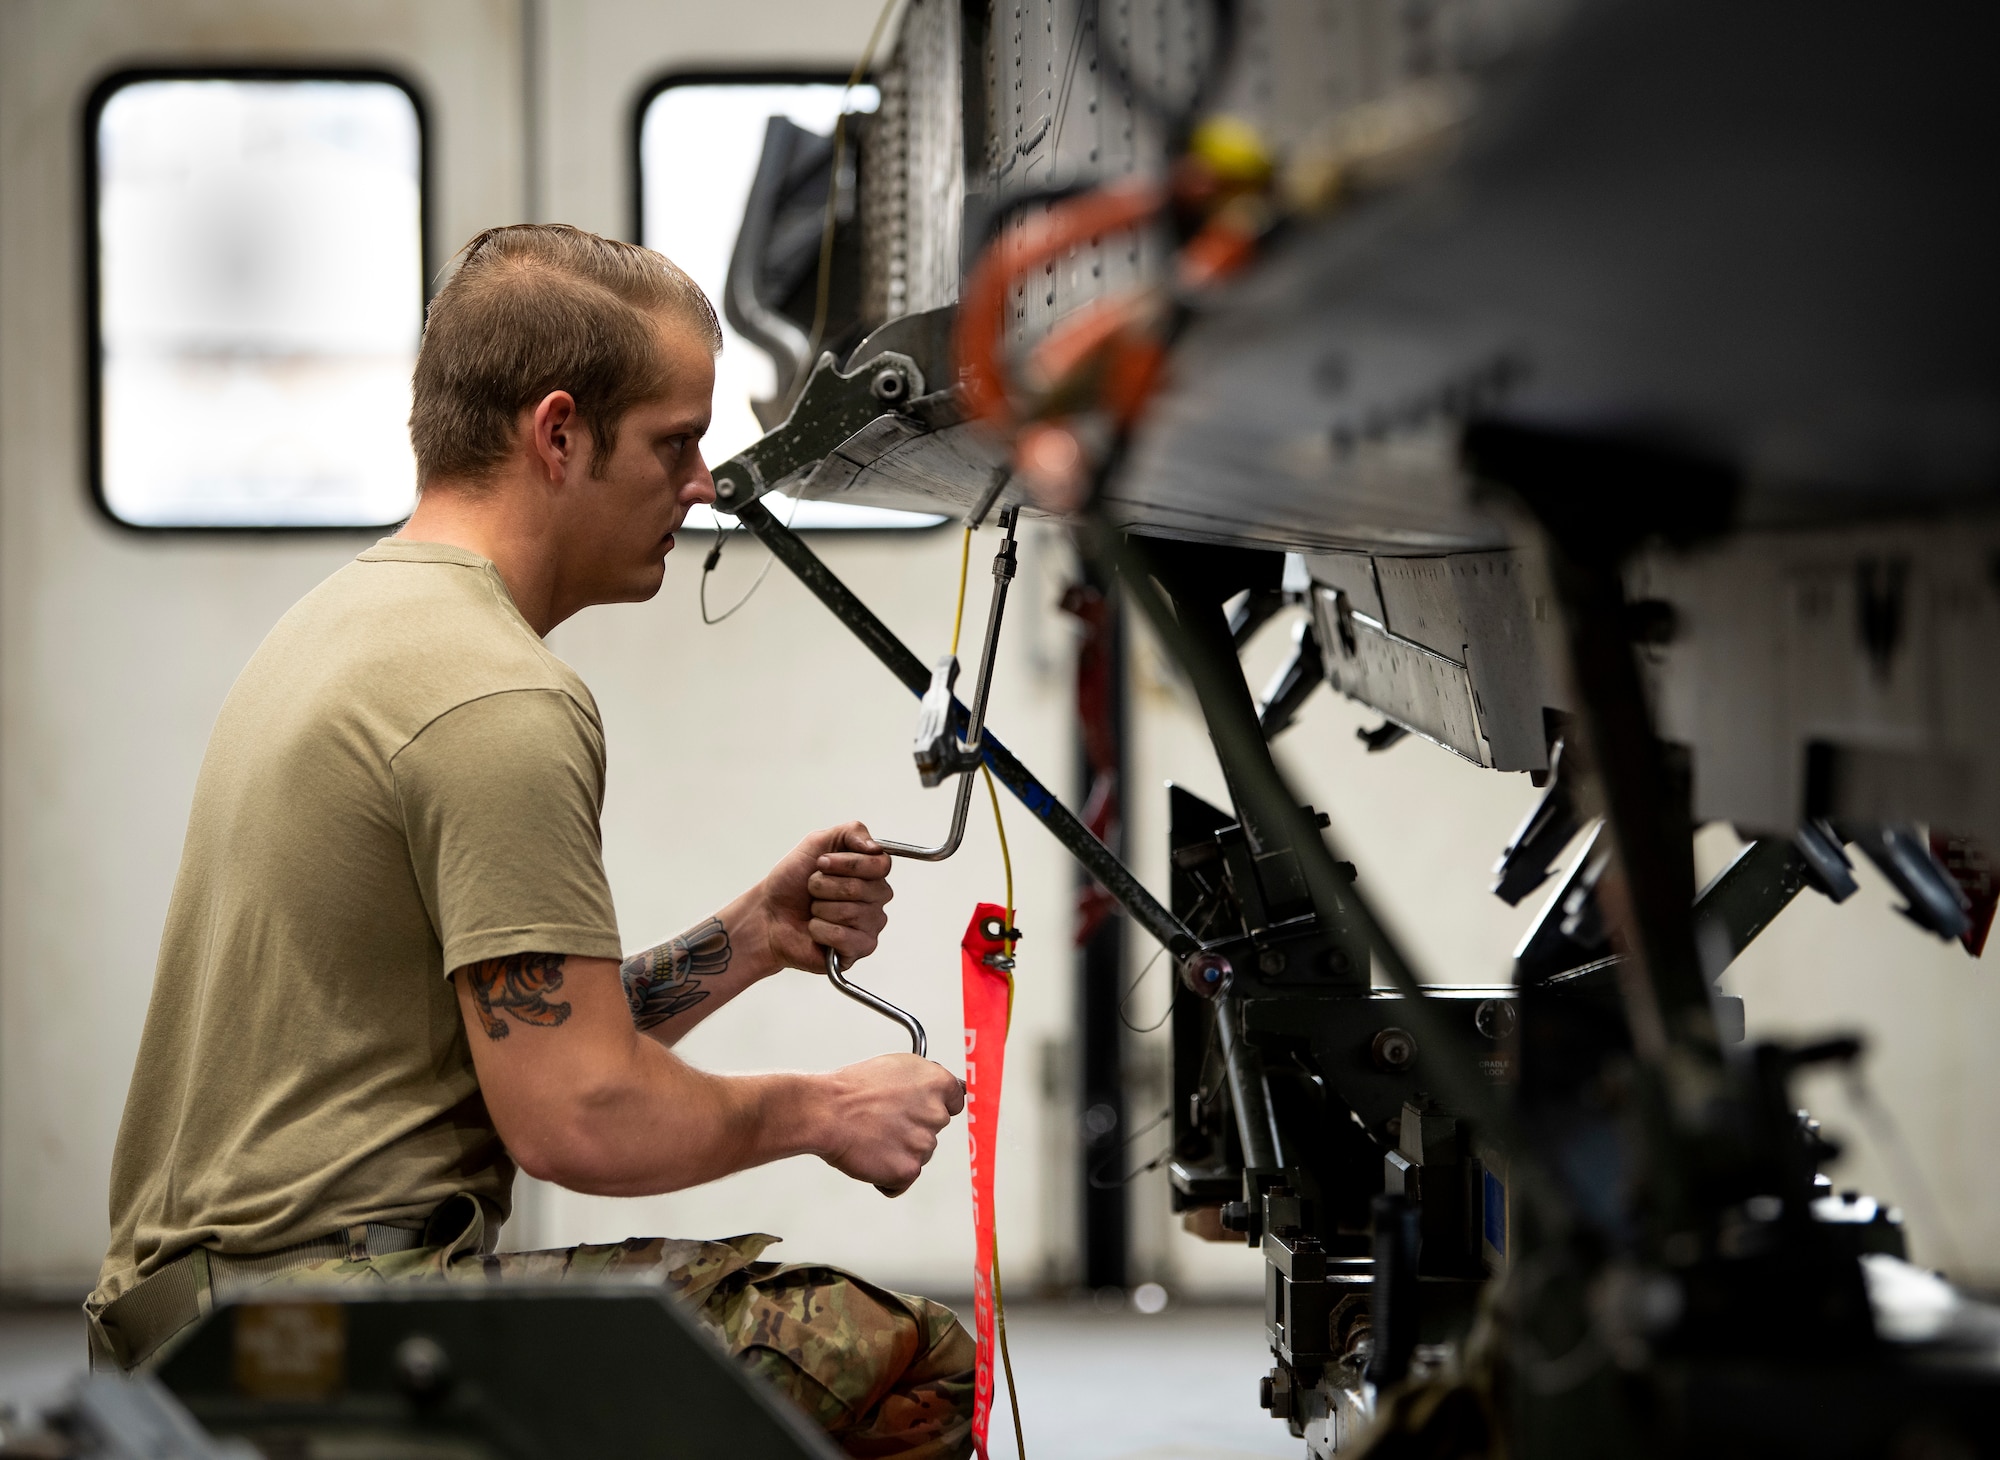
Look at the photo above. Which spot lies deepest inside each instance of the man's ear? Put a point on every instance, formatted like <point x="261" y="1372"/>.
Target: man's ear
<point x="556" y="437"/>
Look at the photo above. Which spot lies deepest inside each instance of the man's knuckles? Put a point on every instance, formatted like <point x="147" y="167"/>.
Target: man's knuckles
<point x="850" y="944"/>
<point x="861" y="922"/>
<point x="828" y="888"/>
<point x="853" y="864"/>
<point x="854" y="835"/>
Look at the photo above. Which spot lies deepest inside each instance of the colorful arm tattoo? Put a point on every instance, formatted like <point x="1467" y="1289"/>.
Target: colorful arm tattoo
<point x="518" y="986"/>
<point x="665" y="981"/>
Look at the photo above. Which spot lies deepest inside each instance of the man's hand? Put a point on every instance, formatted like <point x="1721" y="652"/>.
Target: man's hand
<point x="881" y="1117"/>
<point x="831" y="891"/>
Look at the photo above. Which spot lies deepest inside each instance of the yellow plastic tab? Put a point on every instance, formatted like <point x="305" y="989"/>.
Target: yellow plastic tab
<point x="1233" y="149"/>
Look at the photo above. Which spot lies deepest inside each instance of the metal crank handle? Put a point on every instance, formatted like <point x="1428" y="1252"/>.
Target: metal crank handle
<point x="919" y="1046"/>
<point x="949" y="845"/>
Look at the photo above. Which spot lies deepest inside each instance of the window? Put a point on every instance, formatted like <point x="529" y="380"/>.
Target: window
<point x="699" y="142"/>
<point x="257" y="298"/>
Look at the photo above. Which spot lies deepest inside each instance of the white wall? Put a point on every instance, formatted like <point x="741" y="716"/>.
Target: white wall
<point x="116" y="647"/>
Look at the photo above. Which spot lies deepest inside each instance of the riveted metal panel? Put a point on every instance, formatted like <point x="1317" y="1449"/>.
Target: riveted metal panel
<point x="1421" y="690"/>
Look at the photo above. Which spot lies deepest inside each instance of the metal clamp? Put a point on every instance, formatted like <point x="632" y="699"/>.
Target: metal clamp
<point x="918" y="1044"/>
<point x="936" y="748"/>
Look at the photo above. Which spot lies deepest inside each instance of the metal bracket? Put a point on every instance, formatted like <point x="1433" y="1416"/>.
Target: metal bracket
<point x="936" y="749"/>
<point x="888" y="370"/>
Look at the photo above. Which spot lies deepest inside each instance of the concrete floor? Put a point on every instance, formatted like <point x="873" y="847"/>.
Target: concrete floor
<point x="1180" y="1385"/>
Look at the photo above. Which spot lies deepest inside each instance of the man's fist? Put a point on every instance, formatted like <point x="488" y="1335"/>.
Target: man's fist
<point x="881" y="1117"/>
<point x="831" y="891"/>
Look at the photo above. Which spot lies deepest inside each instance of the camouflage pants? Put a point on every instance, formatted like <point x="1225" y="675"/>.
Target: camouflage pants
<point x="882" y="1373"/>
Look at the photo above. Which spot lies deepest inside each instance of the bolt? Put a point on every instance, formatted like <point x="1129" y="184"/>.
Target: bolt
<point x="1393" y="1049"/>
<point x="1206" y="974"/>
<point x="1494" y="1018"/>
<point x="1272" y="961"/>
<point x="725" y="490"/>
<point x="888" y="384"/>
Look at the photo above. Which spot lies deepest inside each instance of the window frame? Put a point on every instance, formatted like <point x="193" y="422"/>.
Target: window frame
<point x="100" y="95"/>
<point x="666" y="81"/>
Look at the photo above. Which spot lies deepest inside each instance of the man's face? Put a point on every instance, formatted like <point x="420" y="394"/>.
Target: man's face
<point x="624" y="516"/>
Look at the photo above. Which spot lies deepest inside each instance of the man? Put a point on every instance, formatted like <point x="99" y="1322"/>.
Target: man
<point x="391" y="973"/>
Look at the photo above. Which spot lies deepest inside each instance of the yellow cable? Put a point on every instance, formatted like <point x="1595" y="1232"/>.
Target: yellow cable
<point x="1006" y="866"/>
<point x="1006" y="1359"/>
<point x="958" y="614"/>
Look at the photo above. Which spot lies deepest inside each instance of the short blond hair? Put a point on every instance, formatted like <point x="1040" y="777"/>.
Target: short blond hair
<point x="534" y="308"/>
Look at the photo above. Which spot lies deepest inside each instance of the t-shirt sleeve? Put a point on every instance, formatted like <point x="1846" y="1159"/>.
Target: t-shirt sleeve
<point x="500" y="800"/>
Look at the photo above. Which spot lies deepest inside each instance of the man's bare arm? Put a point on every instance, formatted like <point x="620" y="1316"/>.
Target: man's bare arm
<point x="830" y="891"/>
<point x="580" y="1098"/>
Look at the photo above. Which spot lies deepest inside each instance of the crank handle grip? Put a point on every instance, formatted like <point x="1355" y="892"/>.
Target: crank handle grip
<point x="919" y="1045"/>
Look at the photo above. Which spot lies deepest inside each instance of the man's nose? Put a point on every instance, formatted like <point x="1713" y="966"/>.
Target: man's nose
<point x="700" y="488"/>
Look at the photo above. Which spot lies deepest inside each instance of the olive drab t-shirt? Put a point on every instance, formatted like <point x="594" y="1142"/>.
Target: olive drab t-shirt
<point x="403" y="781"/>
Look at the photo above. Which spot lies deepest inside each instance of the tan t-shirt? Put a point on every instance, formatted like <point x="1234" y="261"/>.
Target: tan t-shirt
<point x="403" y="781"/>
